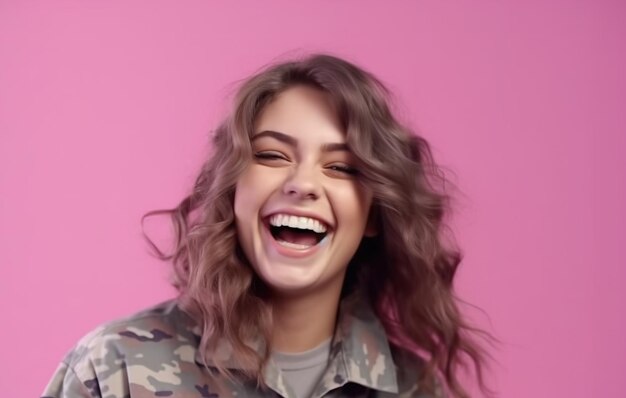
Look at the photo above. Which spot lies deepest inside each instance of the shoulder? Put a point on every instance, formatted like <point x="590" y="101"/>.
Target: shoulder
<point x="409" y="369"/>
<point x="153" y="340"/>
<point x="164" y="323"/>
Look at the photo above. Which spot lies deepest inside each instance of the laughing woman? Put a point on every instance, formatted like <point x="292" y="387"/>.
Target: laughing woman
<point x="309" y="260"/>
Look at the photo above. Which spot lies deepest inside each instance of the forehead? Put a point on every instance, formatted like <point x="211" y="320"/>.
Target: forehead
<point x="303" y="112"/>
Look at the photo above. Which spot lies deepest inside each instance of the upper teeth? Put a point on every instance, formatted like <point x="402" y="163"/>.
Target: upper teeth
<point x="286" y="220"/>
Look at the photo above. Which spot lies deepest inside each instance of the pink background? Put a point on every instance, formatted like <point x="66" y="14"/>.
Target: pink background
<point x="105" y="108"/>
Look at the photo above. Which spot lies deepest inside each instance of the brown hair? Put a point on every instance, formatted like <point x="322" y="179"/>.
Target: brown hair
<point x="410" y="267"/>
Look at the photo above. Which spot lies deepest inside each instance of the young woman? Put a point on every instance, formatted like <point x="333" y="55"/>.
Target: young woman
<point x="309" y="259"/>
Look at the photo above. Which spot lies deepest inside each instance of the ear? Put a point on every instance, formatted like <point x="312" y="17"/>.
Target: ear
<point x="371" y="228"/>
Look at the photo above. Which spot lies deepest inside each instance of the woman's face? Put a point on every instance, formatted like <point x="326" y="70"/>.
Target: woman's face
<point x="300" y="211"/>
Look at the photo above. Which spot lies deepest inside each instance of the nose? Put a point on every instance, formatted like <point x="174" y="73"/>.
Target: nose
<point x="302" y="183"/>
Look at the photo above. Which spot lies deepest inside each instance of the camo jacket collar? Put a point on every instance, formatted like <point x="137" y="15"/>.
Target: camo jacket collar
<point x="360" y="353"/>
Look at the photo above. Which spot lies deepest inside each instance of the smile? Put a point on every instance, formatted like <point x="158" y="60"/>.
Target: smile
<point x="296" y="236"/>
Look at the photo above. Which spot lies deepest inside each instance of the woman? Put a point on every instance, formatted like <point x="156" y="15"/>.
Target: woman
<point x="309" y="259"/>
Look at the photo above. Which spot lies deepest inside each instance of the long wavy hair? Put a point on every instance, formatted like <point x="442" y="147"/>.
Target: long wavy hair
<point x="410" y="264"/>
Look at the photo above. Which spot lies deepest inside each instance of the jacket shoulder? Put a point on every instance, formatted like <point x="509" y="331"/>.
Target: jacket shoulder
<point x="154" y="341"/>
<point x="118" y="339"/>
<point x="409" y="369"/>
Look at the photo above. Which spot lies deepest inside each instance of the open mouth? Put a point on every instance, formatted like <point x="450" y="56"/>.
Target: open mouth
<point x="295" y="232"/>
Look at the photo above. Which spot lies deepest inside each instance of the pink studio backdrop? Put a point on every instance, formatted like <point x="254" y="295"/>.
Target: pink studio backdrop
<point x="104" y="114"/>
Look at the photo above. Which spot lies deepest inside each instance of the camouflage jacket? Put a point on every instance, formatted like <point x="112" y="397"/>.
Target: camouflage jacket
<point x="155" y="354"/>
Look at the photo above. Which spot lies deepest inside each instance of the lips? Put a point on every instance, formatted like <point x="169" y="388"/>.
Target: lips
<point x="294" y="235"/>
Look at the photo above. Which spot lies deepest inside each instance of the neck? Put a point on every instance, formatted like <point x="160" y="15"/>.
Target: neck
<point x="304" y="322"/>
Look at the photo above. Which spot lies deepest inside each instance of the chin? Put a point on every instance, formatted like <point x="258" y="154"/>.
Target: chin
<point x="289" y="280"/>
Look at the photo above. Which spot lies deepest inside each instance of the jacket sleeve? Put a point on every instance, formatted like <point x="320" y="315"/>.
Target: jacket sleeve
<point x="65" y="383"/>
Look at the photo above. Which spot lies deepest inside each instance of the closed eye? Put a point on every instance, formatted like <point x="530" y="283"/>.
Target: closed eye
<point x="270" y="156"/>
<point x="343" y="169"/>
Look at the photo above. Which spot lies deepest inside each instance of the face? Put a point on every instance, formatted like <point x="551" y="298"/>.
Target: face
<point x="300" y="211"/>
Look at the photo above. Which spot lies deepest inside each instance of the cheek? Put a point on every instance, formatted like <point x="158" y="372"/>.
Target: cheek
<point x="353" y="204"/>
<point x="244" y="196"/>
<point x="253" y="188"/>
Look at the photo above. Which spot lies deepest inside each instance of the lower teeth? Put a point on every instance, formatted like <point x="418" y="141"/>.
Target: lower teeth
<point x="292" y="245"/>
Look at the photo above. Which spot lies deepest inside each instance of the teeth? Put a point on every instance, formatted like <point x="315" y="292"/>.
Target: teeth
<point x="286" y="220"/>
<point x="293" y="245"/>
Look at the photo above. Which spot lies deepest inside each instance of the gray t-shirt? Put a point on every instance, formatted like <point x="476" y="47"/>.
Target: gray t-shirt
<point x="303" y="370"/>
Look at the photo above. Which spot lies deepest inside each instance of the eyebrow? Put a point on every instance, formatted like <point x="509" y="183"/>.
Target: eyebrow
<point x="289" y="140"/>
